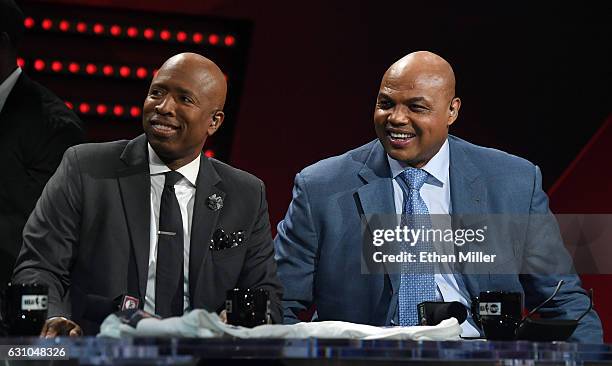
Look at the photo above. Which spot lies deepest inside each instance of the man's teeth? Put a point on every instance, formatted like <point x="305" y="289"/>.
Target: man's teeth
<point x="400" y="135"/>
<point x="163" y="127"/>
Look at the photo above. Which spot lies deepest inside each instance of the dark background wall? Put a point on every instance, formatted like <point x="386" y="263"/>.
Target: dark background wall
<point x="534" y="79"/>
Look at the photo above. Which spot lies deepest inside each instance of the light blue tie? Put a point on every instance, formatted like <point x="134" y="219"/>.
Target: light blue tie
<point x="417" y="282"/>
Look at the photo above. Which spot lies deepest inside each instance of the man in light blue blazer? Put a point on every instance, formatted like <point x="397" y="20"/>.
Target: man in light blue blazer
<point x="319" y="243"/>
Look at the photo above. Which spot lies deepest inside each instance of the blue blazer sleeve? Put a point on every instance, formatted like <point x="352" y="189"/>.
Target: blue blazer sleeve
<point x="571" y="301"/>
<point x="296" y="245"/>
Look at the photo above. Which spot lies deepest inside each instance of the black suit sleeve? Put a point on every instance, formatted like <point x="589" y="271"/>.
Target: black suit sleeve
<point x="259" y="268"/>
<point x="51" y="236"/>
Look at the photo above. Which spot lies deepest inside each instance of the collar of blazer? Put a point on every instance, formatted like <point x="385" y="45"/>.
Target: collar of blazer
<point x="135" y="186"/>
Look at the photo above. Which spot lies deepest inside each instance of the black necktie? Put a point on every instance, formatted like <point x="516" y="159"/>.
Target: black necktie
<point x="169" y="275"/>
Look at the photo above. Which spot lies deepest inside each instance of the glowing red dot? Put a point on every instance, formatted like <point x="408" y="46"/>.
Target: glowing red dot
<point x="69" y="105"/>
<point x="213" y="39"/>
<point x="81" y="27"/>
<point x="118" y="110"/>
<point x="124" y="71"/>
<point x="39" y="65"/>
<point x="149" y="33"/>
<point x="74" y="67"/>
<point x="91" y="68"/>
<point x="141" y="72"/>
<point x="98" y="28"/>
<point x="115" y="30"/>
<point x="56" y="66"/>
<point x="209" y="154"/>
<point x="64" y="25"/>
<point x="230" y="41"/>
<point x="135" y="111"/>
<point x="101" y="109"/>
<point x="181" y="36"/>
<point x="84" y="108"/>
<point x="28" y="22"/>
<point x="20" y="62"/>
<point x="165" y="35"/>
<point x="197" y="37"/>
<point x="47" y="24"/>
<point x="107" y="70"/>
<point x="132" y="32"/>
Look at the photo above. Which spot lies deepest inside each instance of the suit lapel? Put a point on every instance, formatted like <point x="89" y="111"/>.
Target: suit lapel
<point x="204" y="220"/>
<point x="376" y="196"/>
<point x="135" y="188"/>
<point x="468" y="194"/>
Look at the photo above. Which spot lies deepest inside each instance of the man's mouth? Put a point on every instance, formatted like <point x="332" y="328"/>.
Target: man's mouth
<point x="399" y="139"/>
<point x="163" y="128"/>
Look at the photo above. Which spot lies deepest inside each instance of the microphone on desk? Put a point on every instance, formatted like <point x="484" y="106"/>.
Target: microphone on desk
<point x="432" y="312"/>
<point x="97" y="307"/>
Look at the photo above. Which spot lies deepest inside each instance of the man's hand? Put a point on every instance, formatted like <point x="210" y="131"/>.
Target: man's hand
<point x="60" y="326"/>
<point x="223" y="316"/>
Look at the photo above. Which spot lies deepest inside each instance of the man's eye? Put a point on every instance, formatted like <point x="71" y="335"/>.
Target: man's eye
<point x="418" y="108"/>
<point x="186" y="99"/>
<point x="155" y="93"/>
<point x="384" y="104"/>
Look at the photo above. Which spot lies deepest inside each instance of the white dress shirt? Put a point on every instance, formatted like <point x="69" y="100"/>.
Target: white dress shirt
<point x="436" y="194"/>
<point x="185" y="190"/>
<point x="7" y="85"/>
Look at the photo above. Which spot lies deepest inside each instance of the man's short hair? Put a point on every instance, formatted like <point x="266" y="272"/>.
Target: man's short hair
<point x="11" y="20"/>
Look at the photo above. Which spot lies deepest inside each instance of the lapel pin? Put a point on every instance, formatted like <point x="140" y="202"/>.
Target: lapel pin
<point x="214" y="202"/>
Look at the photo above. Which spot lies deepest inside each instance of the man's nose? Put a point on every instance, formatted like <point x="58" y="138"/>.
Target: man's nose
<point x="166" y="106"/>
<point x="399" y="115"/>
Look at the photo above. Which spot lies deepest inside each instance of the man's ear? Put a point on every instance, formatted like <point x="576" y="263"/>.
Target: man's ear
<point x="216" y="122"/>
<point x="453" y="110"/>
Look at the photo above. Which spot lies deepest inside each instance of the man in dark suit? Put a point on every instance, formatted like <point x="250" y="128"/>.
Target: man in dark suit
<point x="415" y="168"/>
<point x="151" y="218"/>
<point x="36" y="128"/>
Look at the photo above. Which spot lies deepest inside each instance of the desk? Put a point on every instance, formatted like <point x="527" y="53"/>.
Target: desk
<point x="185" y="351"/>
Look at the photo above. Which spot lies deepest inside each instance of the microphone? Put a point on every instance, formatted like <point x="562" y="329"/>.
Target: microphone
<point x="432" y="312"/>
<point x="97" y="307"/>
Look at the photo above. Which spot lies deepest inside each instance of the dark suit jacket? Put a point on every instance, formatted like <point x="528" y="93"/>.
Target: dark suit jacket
<point x="319" y="243"/>
<point x="89" y="234"/>
<point x="36" y="128"/>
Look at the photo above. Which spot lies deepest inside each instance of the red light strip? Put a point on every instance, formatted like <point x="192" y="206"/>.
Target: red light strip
<point x="129" y="32"/>
<point x="105" y="109"/>
<point x="88" y="68"/>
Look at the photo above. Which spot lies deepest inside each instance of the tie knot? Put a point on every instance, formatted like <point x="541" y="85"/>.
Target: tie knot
<point x="172" y="177"/>
<point x="414" y="178"/>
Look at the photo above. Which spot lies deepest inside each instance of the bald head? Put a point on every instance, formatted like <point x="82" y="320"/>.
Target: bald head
<point x="208" y="76"/>
<point x="425" y="68"/>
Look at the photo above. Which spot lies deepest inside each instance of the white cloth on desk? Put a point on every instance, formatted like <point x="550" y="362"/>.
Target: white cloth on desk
<point x="202" y="324"/>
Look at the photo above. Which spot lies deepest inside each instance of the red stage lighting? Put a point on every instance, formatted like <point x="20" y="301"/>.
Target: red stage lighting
<point x="29" y="22"/>
<point x="115" y="30"/>
<point x="135" y="111"/>
<point x="118" y="110"/>
<point x="209" y="153"/>
<point x="64" y="25"/>
<point x="107" y="70"/>
<point x="39" y="65"/>
<point x="84" y="108"/>
<point x="213" y="39"/>
<point x="149" y="33"/>
<point x="165" y="35"/>
<point x="69" y="105"/>
<point x="132" y="32"/>
<point x="91" y="69"/>
<point x="141" y="72"/>
<point x="20" y="62"/>
<point x="230" y="41"/>
<point x="98" y="28"/>
<point x="47" y="24"/>
<point x="181" y="36"/>
<point x="74" y="67"/>
<point x="101" y="109"/>
<point x="124" y="71"/>
<point x="56" y="66"/>
<point x="197" y="37"/>
<point x="81" y="27"/>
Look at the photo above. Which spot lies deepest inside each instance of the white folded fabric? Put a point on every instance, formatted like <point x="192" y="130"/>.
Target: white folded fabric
<point x="202" y="324"/>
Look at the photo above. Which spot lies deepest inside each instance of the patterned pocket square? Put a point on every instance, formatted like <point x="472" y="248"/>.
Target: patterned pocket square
<point x="221" y="240"/>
